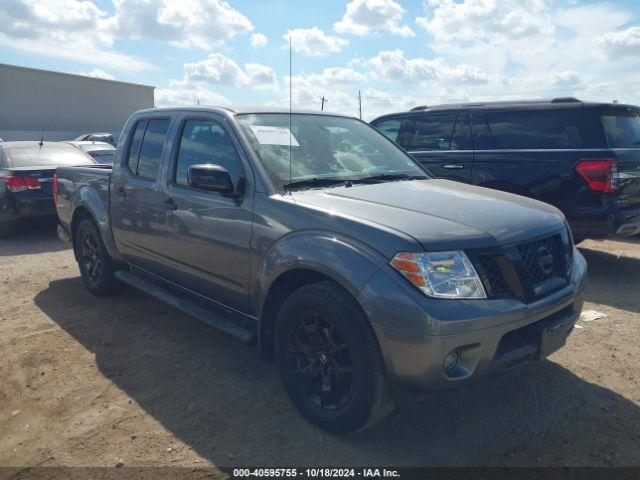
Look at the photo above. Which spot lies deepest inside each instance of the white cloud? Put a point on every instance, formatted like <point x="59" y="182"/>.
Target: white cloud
<point x="261" y="76"/>
<point x="393" y="65"/>
<point x="259" y="40"/>
<point x="364" y="17"/>
<point x="78" y="51"/>
<point x="66" y="29"/>
<point x="201" y="23"/>
<point x="565" y="78"/>
<point x="337" y="76"/>
<point x="99" y="73"/>
<point x="181" y="93"/>
<point x="487" y="20"/>
<point x="313" y="42"/>
<point x="622" y="43"/>
<point x="342" y="98"/>
<point x="221" y="70"/>
<point x="34" y="19"/>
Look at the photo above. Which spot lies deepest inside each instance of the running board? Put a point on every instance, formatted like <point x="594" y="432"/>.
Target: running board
<point x="224" y="324"/>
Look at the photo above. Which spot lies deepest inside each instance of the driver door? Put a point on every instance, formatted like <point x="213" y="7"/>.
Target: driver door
<point x="205" y="236"/>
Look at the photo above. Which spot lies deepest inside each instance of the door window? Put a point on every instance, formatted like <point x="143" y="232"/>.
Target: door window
<point x="201" y="142"/>
<point x="430" y="132"/>
<point x="461" y="139"/>
<point x="390" y="127"/>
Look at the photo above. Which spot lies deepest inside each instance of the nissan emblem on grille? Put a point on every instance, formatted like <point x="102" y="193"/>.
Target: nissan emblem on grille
<point x="544" y="259"/>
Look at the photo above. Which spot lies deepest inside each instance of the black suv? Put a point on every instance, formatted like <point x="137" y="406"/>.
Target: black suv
<point x="581" y="157"/>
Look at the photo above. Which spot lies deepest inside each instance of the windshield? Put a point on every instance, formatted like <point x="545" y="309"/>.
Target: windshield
<point x="323" y="147"/>
<point x="622" y="127"/>
<point x="47" y="155"/>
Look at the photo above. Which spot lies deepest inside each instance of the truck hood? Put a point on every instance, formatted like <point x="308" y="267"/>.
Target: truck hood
<point x="440" y="214"/>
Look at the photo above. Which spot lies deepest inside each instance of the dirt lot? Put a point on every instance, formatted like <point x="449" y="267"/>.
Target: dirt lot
<point x="93" y="382"/>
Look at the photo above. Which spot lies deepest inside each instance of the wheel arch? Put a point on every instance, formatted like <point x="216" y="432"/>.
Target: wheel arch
<point x="87" y="203"/>
<point x="308" y="258"/>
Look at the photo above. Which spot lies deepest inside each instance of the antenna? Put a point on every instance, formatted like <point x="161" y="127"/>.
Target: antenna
<point x="360" y="104"/>
<point x="41" y="142"/>
<point x="323" y="100"/>
<point x="290" y="106"/>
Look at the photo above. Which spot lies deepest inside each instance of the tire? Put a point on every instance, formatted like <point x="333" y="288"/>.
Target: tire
<point x="329" y="360"/>
<point x="96" y="266"/>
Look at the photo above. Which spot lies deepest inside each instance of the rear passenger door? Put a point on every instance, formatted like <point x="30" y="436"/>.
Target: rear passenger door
<point x="441" y="142"/>
<point x="135" y="200"/>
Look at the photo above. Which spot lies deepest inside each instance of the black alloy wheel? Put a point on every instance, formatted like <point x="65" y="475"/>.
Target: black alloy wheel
<point x="320" y="360"/>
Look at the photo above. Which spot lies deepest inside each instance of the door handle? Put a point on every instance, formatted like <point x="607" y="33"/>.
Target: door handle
<point x="453" y="166"/>
<point x="169" y="204"/>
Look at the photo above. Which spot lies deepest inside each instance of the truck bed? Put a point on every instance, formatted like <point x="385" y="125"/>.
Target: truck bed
<point x="79" y="185"/>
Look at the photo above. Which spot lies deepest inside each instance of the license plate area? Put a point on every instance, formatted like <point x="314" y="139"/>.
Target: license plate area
<point x="553" y="338"/>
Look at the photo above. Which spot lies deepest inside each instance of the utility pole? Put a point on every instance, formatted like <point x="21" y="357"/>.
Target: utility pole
<point x="360" y="104"/>
<point x="322" y="100"/>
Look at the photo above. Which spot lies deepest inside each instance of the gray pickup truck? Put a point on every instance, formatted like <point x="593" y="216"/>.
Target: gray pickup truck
<point x="317" y="238"/>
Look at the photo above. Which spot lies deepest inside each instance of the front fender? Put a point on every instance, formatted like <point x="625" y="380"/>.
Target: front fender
<point x="345" y="260"/>
<point x="89" y="200"/>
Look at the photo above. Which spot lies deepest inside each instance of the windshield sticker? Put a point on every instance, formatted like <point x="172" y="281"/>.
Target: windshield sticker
<point x="274" y="135"/>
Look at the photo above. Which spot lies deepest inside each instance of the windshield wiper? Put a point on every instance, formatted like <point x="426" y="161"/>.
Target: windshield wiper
<point x="315" y="182"/>
<point x="388" y="177"/>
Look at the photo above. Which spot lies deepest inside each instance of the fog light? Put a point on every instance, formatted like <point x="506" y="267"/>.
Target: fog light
<point x="450" y="362"/>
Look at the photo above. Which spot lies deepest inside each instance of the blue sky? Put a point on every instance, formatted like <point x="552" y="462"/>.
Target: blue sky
<point x="399" y="53"/>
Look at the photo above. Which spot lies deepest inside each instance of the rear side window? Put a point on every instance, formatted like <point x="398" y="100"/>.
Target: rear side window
<point x="538" y="129"/>
<point x="205" y="141"/>
<point x="390" y="127"/>
<point x="622" y="127"/>
<point x="134" y="147"/>
<point x="147" y="161"/>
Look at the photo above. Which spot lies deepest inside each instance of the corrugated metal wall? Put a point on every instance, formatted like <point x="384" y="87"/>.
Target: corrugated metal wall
<point x="64" y="106"/>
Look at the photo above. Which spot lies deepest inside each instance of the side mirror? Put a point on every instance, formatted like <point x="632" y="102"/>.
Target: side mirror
<point x="212" y="177"/>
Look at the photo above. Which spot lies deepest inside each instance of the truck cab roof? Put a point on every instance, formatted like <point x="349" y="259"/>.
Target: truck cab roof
<point x="239" y="110"/>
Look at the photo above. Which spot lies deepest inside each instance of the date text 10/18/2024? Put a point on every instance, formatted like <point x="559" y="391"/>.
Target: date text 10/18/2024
<point x="315" y="473"/>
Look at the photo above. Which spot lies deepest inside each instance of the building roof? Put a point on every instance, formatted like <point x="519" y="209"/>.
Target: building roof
<point x="72" y="75"/>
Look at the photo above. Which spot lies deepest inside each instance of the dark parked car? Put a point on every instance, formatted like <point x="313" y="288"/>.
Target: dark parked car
<point x="101" y="152"/>
<point x="330" y="247"/>
<point x="26" y="176"/>
<point x="581" y="157"/>
<point x="97" y="137"/>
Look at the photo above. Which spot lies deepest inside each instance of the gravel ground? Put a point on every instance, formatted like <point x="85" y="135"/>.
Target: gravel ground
<point x="88" y="381"/>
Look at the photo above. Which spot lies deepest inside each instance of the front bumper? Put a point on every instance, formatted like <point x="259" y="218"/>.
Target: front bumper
<point x="416" y="333"/>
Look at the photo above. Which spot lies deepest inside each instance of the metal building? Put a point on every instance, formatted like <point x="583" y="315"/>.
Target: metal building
<point x="64" y="106"/>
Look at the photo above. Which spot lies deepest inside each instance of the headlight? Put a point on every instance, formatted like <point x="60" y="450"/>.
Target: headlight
<point x="440" y="274"/>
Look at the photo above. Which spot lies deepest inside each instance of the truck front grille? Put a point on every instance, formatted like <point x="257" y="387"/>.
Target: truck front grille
<point x="492" y="277"/>
<point x="527" y="270"/>
<point x="531" y="254"/>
